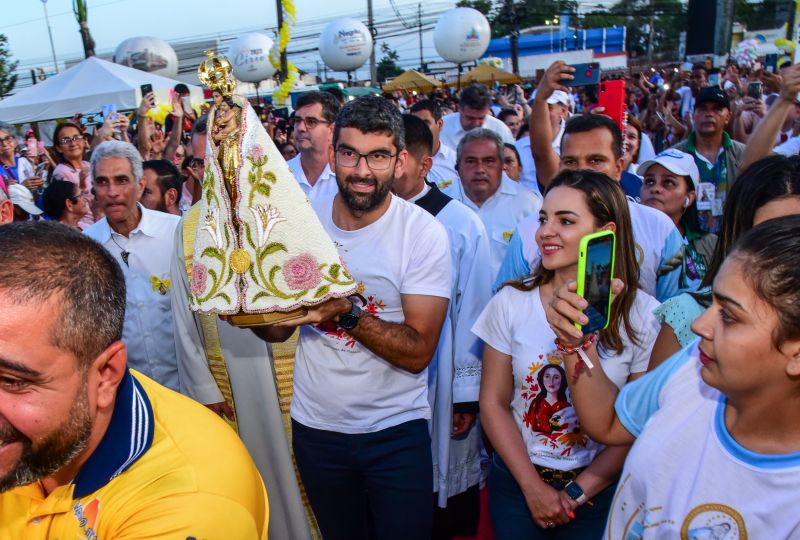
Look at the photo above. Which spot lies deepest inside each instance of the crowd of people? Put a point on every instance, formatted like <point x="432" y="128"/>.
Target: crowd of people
<point x="458" y="376"/>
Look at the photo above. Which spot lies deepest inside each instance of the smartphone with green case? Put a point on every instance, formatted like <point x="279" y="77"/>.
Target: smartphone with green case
<point x="595" y="272"/>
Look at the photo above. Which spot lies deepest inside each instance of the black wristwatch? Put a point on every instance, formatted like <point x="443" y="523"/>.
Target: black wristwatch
<point x="576" y="493"/>
<point x="349" y="320"/>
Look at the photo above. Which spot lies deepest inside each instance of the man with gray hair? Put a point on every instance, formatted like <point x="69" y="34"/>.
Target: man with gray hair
<point x="142" y="241"/>
<point x="499" y="201"/>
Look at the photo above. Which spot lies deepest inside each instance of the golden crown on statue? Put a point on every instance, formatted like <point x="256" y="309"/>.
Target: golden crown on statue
<point x="215" y="74"/>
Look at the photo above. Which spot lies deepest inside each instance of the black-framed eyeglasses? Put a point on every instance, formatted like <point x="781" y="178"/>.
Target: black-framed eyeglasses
<point x="309" y="121"/>
<point x="67" y="140"/>
<point x="377" y="161"/>
<point x="4" y="140"/>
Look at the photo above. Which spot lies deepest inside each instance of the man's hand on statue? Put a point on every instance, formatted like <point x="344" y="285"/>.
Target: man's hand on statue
<point x="222" y="409"/>
<point x="324" y="312"/>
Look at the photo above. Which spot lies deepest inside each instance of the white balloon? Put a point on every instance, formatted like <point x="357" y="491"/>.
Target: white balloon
<point x="249" y="57"/>
<point x="149" y="54"/>
<point x="345" y="44"/>
<point x="461" y="35"/>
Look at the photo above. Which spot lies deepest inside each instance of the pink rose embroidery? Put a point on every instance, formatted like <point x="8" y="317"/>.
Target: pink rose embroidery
<point x="302" y="272"/>
<point x="257" y="152"/>
<point x="199" y="278"/>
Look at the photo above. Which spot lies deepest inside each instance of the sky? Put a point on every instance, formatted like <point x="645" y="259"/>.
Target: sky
<point x="112" y="21"/>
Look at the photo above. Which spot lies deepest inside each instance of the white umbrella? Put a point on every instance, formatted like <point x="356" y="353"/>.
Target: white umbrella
<point x="86" y="87"/>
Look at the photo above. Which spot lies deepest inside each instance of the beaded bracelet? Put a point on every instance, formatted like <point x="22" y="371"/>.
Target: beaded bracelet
<point x="579" y="349"/>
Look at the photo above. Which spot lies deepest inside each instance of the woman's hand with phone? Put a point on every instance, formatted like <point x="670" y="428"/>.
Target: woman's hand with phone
<point x="565" y="309"/>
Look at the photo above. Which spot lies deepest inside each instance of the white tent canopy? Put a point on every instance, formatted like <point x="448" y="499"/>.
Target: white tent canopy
<point x="86" y="87"/>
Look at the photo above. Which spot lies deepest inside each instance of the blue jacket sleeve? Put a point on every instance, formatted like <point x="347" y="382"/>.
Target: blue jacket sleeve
<point x="514" y="265"/>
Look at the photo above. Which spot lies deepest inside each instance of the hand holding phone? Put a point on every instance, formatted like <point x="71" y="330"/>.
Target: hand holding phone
<point x="595" y="274"/>
<point x="612" y="99"/>
<point x="585" y="75"/>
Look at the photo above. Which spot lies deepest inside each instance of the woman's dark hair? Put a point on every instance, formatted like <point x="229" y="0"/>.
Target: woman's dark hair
<point x="608" y="204"/>
<point x="766" y="180"/>
<point x="54" y="198"/>
<point x="57" y="136"/>
<point x="771" y="254"/>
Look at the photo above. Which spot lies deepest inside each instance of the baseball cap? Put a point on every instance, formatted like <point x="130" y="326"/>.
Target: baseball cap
<point x="712" y="93"/>
<point x="22" y="197"/>
<point x="558" y="96"/>
<point x="676" y="162"/>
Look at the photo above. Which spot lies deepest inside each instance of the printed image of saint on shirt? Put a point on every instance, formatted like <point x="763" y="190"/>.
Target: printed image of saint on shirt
<point x="552" y="398"/>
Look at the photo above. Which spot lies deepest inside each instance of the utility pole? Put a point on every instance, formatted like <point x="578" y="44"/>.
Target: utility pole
<point x="284" y="68"/>
<point x="419" y="26"/>
<point x="373" y="68"/>
<point x="50" y="33"/>
<point x="651" y="33"/>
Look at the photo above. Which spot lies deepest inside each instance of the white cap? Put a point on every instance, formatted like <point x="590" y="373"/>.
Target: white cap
<point x="676" y="162"/>
<point x="22" y="197"/>
<point x="558" y="96"/>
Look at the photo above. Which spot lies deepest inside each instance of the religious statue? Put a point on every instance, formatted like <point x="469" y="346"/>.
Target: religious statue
<point x="260" y="253"/>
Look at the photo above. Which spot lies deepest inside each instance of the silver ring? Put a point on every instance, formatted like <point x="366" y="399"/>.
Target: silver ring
<point x="550" y="524"/>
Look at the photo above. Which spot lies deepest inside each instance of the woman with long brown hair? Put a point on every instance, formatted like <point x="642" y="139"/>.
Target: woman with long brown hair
<point x="542" y="478"/>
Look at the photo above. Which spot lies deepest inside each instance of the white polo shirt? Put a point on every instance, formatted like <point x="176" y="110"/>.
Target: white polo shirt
<point x="148" y="328"/>
<point x="443" y="172"/>
<point x="324" y="188"/>
<point x="501" y="213"/>
<point x="452" y="132"/>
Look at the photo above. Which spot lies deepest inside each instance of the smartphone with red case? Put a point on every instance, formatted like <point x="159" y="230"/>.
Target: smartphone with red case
<point x="612" y="98"/>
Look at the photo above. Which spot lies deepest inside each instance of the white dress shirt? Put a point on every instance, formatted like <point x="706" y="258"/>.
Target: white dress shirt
<point x="148" y="327"/>
<point x="500" y="213"/>
<point x="443" y="172"/>
<point x="324" y="188"/>
<point x="452" y="132"/>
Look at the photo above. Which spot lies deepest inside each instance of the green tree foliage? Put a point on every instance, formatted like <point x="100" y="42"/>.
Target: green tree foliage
<point x="81" y="11"/>
<point x="668" y="18"/>
<point x="7" y="77"/>
<point x="387" y="65"/>
<point x="505" y="15"/>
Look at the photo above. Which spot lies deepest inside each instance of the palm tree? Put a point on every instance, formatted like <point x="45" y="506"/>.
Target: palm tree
<point x="81" y="14"/>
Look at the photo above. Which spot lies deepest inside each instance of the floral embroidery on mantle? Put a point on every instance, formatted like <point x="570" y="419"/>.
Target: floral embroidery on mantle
<point x="270" y="253"/>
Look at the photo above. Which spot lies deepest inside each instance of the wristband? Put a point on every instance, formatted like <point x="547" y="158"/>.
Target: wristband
<point x="580" y="349"/>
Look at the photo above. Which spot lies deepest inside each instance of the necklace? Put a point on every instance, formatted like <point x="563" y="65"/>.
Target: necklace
<point x="124" y="254"/>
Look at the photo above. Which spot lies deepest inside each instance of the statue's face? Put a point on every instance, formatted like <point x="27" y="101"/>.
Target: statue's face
<point x="217" y="97"/>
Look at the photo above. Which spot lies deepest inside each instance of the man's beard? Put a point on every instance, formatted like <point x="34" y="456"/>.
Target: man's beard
<point x="363" y="202"/>
<point x="56" y="451"/>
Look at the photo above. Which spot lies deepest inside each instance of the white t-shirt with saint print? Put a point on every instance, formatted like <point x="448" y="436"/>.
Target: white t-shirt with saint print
<point x="341" y="386"/>
<point x="514" y="323"/>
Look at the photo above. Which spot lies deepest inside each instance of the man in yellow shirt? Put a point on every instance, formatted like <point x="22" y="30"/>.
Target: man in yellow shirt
<point x="89" y="449"/>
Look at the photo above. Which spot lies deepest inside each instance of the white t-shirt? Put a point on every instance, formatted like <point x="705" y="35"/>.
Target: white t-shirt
<point x="452" y="132"/>
<point x="528" y="178"/>
<point x="514" y="323"/>
<point x="443" y="171"/>
<point x="341" y="386"/>
<point x="686" y="476"/>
